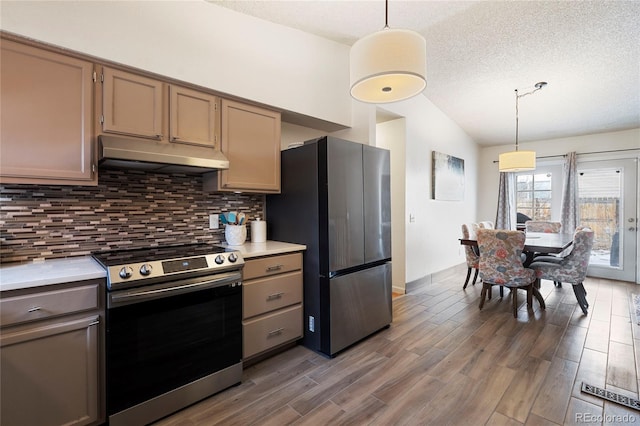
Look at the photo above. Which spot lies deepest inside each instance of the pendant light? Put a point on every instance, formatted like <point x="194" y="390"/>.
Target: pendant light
<point x="389" y="65"/>
<point x="519" y="161"/>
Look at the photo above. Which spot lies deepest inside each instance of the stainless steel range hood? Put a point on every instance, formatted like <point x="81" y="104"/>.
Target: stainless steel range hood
<point x="150" y="155"/>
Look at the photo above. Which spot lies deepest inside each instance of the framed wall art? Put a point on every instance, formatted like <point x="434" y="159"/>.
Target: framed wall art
<point x="447" y="177"/>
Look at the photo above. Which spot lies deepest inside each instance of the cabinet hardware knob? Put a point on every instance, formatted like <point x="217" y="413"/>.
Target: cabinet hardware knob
<point x="274" y="268"/>
<point x="276" y="332"/>
<point x="275" y="296"/>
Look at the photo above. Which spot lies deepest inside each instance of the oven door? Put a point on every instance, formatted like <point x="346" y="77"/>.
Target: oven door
<point x="162" y="337"/>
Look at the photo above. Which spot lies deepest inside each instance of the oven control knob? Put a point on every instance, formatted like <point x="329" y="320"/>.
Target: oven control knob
<point x="219" y="259"/>
<point x="145" y="269"/>
<point x="233" y="257"/>
<point x="125" y="272"/>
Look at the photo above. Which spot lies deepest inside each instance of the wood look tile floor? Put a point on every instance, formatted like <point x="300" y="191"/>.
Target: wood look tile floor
<point x="443" y="361"/>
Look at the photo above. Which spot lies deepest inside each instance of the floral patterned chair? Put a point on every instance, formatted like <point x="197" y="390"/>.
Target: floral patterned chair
<point x="571" y="268"/>
<point x="501" y="264"/>
<point x="469" y="233"/>
<point x="542" y="226"/>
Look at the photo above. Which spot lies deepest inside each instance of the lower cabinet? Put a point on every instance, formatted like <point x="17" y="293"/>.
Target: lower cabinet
<point x="51" y="368"/>
<point x="272" y="303"/>
<point x="272" y="330"/>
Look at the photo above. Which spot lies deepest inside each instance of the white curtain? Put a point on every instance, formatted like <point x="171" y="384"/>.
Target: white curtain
<point x="506" y="214"/>
<point x="570" y="212"/>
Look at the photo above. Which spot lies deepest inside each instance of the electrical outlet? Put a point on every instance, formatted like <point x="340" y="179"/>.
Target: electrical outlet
<point x="312" y="324"/>
<point x="214" y="221"/>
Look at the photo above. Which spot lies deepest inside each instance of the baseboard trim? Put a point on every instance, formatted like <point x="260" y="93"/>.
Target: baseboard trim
<point x="399" y="290"/>
<point x="434" y="277"/>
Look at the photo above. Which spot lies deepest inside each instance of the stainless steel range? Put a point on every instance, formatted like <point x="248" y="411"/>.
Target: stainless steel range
<point x="174" y="328"/>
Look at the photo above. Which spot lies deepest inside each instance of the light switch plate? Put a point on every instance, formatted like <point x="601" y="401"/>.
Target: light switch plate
<point x="214" y="221"/>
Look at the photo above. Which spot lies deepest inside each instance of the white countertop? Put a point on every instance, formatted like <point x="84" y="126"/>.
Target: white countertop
<point x="47" y="272"/>
<point x="267" y="248"/>
<point x="58" y="271"/>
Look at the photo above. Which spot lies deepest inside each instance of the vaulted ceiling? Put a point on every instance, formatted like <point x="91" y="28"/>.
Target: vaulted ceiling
<point x="479" y="52"/>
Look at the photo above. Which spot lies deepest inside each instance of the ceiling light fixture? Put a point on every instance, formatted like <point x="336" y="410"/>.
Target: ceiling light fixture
<point x="389" y="65"/>
<point x="519" y="161"/>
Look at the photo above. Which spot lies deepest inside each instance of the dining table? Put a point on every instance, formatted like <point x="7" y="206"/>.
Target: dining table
<point x="535" y="244"/>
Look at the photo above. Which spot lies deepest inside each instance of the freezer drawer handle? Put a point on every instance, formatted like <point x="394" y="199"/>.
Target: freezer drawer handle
<point x="275" y="296"/>
<point x="276" y="332"/>
<point x="274" y="268"/>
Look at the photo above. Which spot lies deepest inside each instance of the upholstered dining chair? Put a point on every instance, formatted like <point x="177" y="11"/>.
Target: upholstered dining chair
<point x="469" y="233"/>
<point x="571" y="268"/>
<point x="543" y="226"/>
<point x="501" y="264"/>
<point x="486" y="225"/>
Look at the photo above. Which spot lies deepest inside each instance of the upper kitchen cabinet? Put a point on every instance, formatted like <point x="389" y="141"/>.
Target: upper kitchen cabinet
<point x="131" y="104"/>
<point x="136" y="105"/>
<point x="46" y="132"/>
<point x="193" y="116"/>
<point x="250" y="139"/>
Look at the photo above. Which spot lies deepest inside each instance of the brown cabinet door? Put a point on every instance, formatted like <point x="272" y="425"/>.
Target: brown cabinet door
<point x="193" y="117"/>
<point x="251" y="143"/>
<point x="131" y="104"/>
<point x="46" y="103"/>
<point x="268" y="331"/>
<point x="50" y="373"/>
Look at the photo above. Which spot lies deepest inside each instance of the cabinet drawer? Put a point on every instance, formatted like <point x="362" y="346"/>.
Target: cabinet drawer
<point x="271" y="330"/>
<point x="47" y="304"/>
<point x="255" y="268"/>
<point x="268" y="294"/>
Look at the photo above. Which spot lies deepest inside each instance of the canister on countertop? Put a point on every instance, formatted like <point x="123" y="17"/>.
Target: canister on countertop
<point x="258" y="231"/>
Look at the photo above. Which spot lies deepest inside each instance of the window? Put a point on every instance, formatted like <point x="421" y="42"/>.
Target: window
<point x="533" y="195"/>
<point x="600" y="193"/>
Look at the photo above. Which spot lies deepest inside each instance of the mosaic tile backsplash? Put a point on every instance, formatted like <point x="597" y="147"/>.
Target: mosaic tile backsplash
<point x="128" y="209"/>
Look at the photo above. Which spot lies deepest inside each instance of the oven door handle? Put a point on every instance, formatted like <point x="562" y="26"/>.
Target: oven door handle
<point x="160" y="291"/>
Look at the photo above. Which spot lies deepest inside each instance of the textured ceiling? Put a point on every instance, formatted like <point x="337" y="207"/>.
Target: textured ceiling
<point x="479" y="52"/>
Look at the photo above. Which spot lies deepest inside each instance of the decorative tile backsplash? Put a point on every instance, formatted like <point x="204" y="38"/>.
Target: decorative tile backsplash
<point x="128" y="209"/>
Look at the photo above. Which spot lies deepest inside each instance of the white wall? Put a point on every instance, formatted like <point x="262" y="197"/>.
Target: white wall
<point x="432" y="237"/>
<point x="200" y="43"/>
<point x="488" y="182"/>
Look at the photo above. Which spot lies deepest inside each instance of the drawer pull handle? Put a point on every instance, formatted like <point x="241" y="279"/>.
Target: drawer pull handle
<point x="94" y="323"/>
<point x="274" y="268"/>
<point x="276" y="332"/>
<point x="275" y="296"/>
<point x="35" y="309"/>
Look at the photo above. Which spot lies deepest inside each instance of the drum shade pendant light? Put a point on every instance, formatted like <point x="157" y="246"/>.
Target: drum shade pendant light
<point x="519" y="161"/>
<point x="389" y="65"/>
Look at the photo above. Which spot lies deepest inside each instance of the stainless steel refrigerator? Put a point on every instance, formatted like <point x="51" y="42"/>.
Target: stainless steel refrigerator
<point x="335" y="199"/>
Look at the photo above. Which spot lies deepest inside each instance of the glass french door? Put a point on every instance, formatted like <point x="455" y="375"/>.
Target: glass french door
<point x="608" y="204"/>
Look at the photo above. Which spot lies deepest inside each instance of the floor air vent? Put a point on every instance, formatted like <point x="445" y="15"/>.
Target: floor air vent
<point x="611" y="396"/>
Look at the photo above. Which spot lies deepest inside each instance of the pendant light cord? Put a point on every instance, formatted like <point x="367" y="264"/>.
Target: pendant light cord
<point x="386" y="14"/>
<point x="538" y="86"/>
<point x="517" y="97"/>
